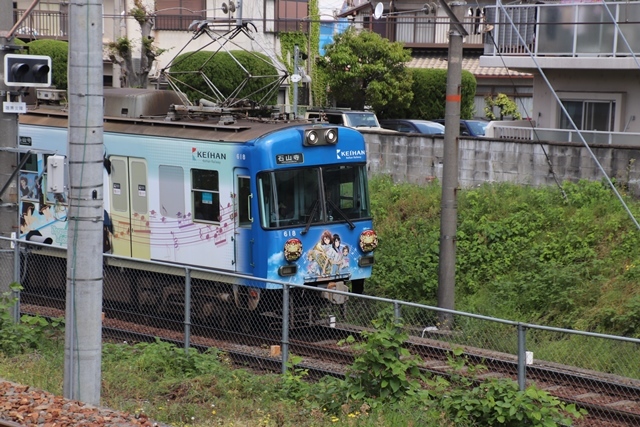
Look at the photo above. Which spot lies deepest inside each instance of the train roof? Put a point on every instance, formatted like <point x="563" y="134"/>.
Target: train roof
<point x="161" y="113"/>
<point x="241" y="130"/>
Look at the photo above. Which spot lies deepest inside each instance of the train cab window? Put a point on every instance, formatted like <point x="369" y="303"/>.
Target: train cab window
<point x="289" y="197"/>
<point x="292" y="197"/>
<point x="346" y="192"/>
<point x="205" y="195"/>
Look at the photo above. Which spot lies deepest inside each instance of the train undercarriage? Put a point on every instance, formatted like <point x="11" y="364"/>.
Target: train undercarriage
<point x="199" y="296"/>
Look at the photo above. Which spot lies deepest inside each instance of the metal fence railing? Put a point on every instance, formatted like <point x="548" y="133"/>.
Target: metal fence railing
<point x="196" y="306"/>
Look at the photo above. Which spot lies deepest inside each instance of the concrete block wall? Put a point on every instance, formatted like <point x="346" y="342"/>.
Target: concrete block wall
<point x="419" y="159"/>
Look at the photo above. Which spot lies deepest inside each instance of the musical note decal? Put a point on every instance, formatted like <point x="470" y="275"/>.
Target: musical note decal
<point x="177" y="230"/>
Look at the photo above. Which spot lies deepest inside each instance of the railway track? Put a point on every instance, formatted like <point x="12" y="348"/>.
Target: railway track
<point x="608" y="398"/>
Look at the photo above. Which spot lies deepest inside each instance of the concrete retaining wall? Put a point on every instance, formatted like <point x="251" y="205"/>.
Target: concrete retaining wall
<point x="418" y="159"/>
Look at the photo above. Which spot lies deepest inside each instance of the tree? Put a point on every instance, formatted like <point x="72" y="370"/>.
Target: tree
<point x="431" y="85"/>
<point x="227" y="71"/>
<point x="121" y="51"/>
<point x="364" y="69"/>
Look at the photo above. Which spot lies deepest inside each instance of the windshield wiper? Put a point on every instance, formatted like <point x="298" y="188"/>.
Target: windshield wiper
<point x="310" y="220"/>
<point x="342" y="214"/>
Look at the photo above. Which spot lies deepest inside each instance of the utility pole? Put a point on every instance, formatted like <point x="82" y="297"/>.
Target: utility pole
<point x="449" y="202"/>
<point x="83" y="333"/>
<point x="8" y="158"/>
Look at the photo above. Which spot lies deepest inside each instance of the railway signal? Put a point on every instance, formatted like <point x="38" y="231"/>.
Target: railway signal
<point x="27" y="70"/>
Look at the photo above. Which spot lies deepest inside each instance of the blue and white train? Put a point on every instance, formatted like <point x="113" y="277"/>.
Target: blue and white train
<point x="271" y="199"/>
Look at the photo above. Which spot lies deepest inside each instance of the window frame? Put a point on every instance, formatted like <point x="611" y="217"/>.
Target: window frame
<point x="614" y="99"/>
<point x="198" y="213"/>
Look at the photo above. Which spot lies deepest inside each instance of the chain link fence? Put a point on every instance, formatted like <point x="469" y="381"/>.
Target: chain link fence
<point x="202" y="308"/>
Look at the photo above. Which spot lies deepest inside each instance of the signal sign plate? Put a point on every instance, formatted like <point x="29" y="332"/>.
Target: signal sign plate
<point x="14" y="107"/>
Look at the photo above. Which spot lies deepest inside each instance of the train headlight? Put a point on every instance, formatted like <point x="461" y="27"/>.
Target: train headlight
<point x="311" y="137"/>
<point x="368" y="241"/>
<point x="292" y="249"/>
<point x="331" y="136"/>
<point x="321" y="136"/>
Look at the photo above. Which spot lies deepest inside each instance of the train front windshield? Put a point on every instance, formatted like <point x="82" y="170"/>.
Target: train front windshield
<point x="317" y="195"/>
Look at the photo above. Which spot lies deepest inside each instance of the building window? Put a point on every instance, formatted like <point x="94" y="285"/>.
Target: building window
<point x="177" y="15"/>
<point x="205" y="195"/>
<point x="292" y="16"/>
<point x="590" y="111"/>
<point x="589" y="115"/>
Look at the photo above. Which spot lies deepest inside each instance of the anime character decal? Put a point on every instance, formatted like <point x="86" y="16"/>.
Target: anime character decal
<point x="328" y="258"/>
<point x="40" y="210"/>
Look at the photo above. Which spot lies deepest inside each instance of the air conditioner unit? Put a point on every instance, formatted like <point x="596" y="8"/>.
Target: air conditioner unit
<point x="51" y="94"/>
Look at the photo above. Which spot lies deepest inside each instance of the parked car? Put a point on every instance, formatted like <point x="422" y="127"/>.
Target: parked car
<point x="413" y="126"/>
<point x="470" y="127"/>
<point x="350" y="118"/>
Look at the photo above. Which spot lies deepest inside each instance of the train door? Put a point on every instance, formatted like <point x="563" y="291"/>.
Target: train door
<point x="129" y="195"/>
<point x="243" y="222"/>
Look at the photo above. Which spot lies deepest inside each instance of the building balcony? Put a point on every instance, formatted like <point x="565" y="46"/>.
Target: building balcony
<point x="415" y="30"/>
<point x="563" y="36"/>
<point x="43" y="25"/>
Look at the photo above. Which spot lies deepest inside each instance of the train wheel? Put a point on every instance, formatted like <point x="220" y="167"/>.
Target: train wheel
<point x="212" y="308"/>
<point x="147" y="294"/>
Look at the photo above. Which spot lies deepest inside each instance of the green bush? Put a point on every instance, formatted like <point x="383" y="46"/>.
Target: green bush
<point x="493" y="402"/>
<point x="535" y="254"/>
<point x="429" y="92"/>
<point x="31" y="333"/>
<point x="406" y="218"/>
<point x="226" y="75"/>
<point x="58" y="51"/>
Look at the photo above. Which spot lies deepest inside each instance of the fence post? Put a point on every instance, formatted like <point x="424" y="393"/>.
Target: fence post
<point x="285" y="327"/>
<point x="522" y="357"/>
<point x="187" y="309"/>
<point x="16" y="278"/>
<point x="396" y="311"/>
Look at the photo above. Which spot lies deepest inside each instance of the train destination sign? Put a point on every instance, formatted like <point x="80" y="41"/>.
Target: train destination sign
<point x="288" y="159"/>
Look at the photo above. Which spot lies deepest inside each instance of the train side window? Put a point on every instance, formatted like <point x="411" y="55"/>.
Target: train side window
<point x="205" y="195"/>
<point x="244" y="194"/>
<point x="31" y="165"/>
<point x="171" y="190"/>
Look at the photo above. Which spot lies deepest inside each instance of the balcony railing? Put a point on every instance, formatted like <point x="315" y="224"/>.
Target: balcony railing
<point x="418" y="30"/>
<point x="505" y="130"/>
<point x="414" y="31"/>
<point x="574" y="30"/>
<point x="43" y="24"/>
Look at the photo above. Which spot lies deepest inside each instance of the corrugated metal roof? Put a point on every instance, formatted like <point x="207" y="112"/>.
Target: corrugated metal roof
<point x="470" y="63"/>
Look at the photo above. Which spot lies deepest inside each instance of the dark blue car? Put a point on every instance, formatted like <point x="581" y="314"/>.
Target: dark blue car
<point x="470" y="127"/>
<point x="413" y="126"/>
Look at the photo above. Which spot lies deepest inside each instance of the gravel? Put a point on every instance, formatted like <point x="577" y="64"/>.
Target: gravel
<point x="22" y="405"/>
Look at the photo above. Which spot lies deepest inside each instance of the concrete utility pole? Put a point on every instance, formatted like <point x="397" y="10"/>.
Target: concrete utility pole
<point x="449" y="202"/>
<point x="8" y="158"/>
<point x="83" y="334"/>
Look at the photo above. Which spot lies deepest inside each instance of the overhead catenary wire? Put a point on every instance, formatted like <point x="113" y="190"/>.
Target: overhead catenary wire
<point x="533" y="128"/>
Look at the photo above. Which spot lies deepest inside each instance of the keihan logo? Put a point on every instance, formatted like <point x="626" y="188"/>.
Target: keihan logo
<point x="349" y="154"/>
<point x="198" y="155"/>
